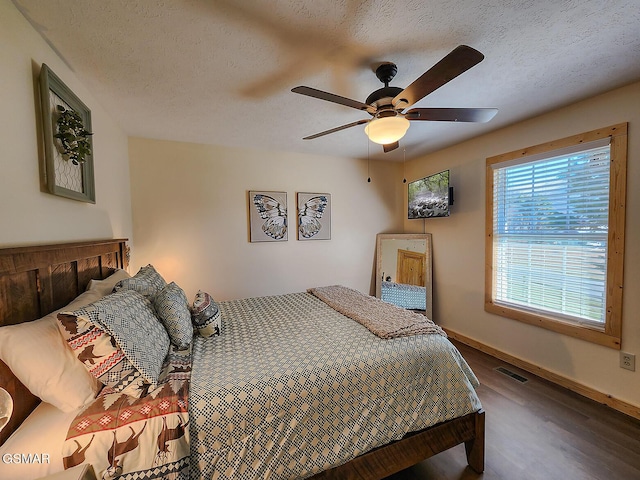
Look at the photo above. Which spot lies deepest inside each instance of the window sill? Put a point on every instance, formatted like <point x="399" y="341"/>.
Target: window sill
<point x="582" y="332"/>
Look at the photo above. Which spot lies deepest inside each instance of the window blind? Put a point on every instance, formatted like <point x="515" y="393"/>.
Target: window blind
<point x="550" y="230"/>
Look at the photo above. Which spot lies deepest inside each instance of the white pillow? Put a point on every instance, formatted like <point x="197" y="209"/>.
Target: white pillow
<point x="41" y="359"/>
<point x="105" y="287"/>
<point x="42" y="433"/>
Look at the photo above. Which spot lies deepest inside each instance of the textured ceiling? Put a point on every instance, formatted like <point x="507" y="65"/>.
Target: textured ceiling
<point x="220" y="72"/>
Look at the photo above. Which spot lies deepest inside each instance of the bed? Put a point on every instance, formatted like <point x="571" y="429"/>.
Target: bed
<point x="412" y="297"/>
<point x="35" y="281"/>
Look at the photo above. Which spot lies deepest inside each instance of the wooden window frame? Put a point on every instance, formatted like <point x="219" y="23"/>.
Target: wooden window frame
<point x="611" y="335"/>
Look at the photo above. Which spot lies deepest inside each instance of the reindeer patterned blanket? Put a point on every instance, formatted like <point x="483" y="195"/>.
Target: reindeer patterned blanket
<point x="137" y="438"/>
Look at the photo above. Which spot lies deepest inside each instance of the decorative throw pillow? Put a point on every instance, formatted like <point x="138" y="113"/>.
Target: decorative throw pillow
<point x="147" y="281"/>
<point x="119" y="340"/>
<point x="172" y="307"/>
<point x="205" y="315"/>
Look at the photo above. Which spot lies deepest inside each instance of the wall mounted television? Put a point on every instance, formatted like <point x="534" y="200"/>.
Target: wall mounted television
<point x="430" y="196"/>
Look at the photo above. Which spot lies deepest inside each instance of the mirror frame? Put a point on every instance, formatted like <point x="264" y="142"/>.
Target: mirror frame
<point x="428" y="263"/>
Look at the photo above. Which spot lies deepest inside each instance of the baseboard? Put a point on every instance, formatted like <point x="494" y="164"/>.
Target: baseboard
<point x="616" y="404"/>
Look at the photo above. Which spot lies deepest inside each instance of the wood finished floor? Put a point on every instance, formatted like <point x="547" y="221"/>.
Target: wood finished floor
<point x="538" y="430"/>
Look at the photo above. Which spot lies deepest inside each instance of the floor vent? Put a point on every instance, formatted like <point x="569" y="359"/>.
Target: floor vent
<point x="511" y="374"/>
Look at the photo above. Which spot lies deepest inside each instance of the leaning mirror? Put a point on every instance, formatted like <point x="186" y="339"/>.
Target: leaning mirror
<point x="403" y="270"/>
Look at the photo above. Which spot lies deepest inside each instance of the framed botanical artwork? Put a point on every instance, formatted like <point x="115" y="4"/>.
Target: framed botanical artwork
<point x="314" y="216"/>
<point x="68" y="158"/>
<point x="268" y="216"/>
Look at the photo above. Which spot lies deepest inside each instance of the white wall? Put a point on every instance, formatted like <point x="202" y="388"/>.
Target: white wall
<point x="190" y="214"/>
<point x="458" y="247"/>
<point x="27" y="214"/>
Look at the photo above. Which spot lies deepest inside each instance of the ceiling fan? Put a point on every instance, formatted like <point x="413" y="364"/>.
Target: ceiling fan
<point x="387" y="105"/>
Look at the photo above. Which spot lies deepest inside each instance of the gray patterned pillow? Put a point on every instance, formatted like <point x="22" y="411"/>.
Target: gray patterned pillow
<point x="128" y="317"/>
<point x="147" y="281"/>
<point x="205" y="315"/>
<point x="172" y="307"/>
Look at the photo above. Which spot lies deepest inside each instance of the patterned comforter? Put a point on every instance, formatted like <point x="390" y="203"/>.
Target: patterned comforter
<point x="412" y="297"/>
<point x="137" y="438"/>
<point x="293" y="387"/>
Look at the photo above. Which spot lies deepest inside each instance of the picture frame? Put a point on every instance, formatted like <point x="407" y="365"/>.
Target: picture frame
<point x="268" y="220"/>
<point x="314" y="216"/>
<point x="61" y="175"/>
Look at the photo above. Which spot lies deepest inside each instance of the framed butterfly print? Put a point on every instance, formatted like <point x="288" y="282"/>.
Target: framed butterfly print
<point x="314" y="216"/>
<point x="268" y="216"/>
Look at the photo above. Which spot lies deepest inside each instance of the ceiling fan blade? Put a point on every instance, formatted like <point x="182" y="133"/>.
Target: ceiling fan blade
<point x="330" y="97"/>
<point x="461" y="59"/>
<point x="337" y="129"/>
<point x="390" y="146"/>
<point x="480" y="115"/>
<point x="281" y="79"/>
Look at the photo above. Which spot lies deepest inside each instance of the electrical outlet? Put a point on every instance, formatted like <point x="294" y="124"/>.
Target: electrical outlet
<point x="628" y="361"/>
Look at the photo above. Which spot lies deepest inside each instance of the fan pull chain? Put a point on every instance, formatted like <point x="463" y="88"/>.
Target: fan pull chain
<point x="404" y="160"/>
<point x="368" y="160"/>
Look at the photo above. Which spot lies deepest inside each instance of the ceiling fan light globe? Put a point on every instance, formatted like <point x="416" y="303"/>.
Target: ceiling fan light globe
<point x="387" y="130"/>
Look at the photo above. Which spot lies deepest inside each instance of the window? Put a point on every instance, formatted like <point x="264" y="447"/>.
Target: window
<point x="555" y="234"/>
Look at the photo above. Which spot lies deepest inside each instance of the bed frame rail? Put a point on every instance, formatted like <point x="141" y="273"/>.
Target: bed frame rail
<point x="414" y="448"/>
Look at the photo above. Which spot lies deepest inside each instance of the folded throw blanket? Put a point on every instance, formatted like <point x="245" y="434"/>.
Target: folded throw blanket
<point x="382" y="319"/>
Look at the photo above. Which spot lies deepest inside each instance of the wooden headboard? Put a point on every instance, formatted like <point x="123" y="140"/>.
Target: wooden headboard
<point x="37" y="280"/>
